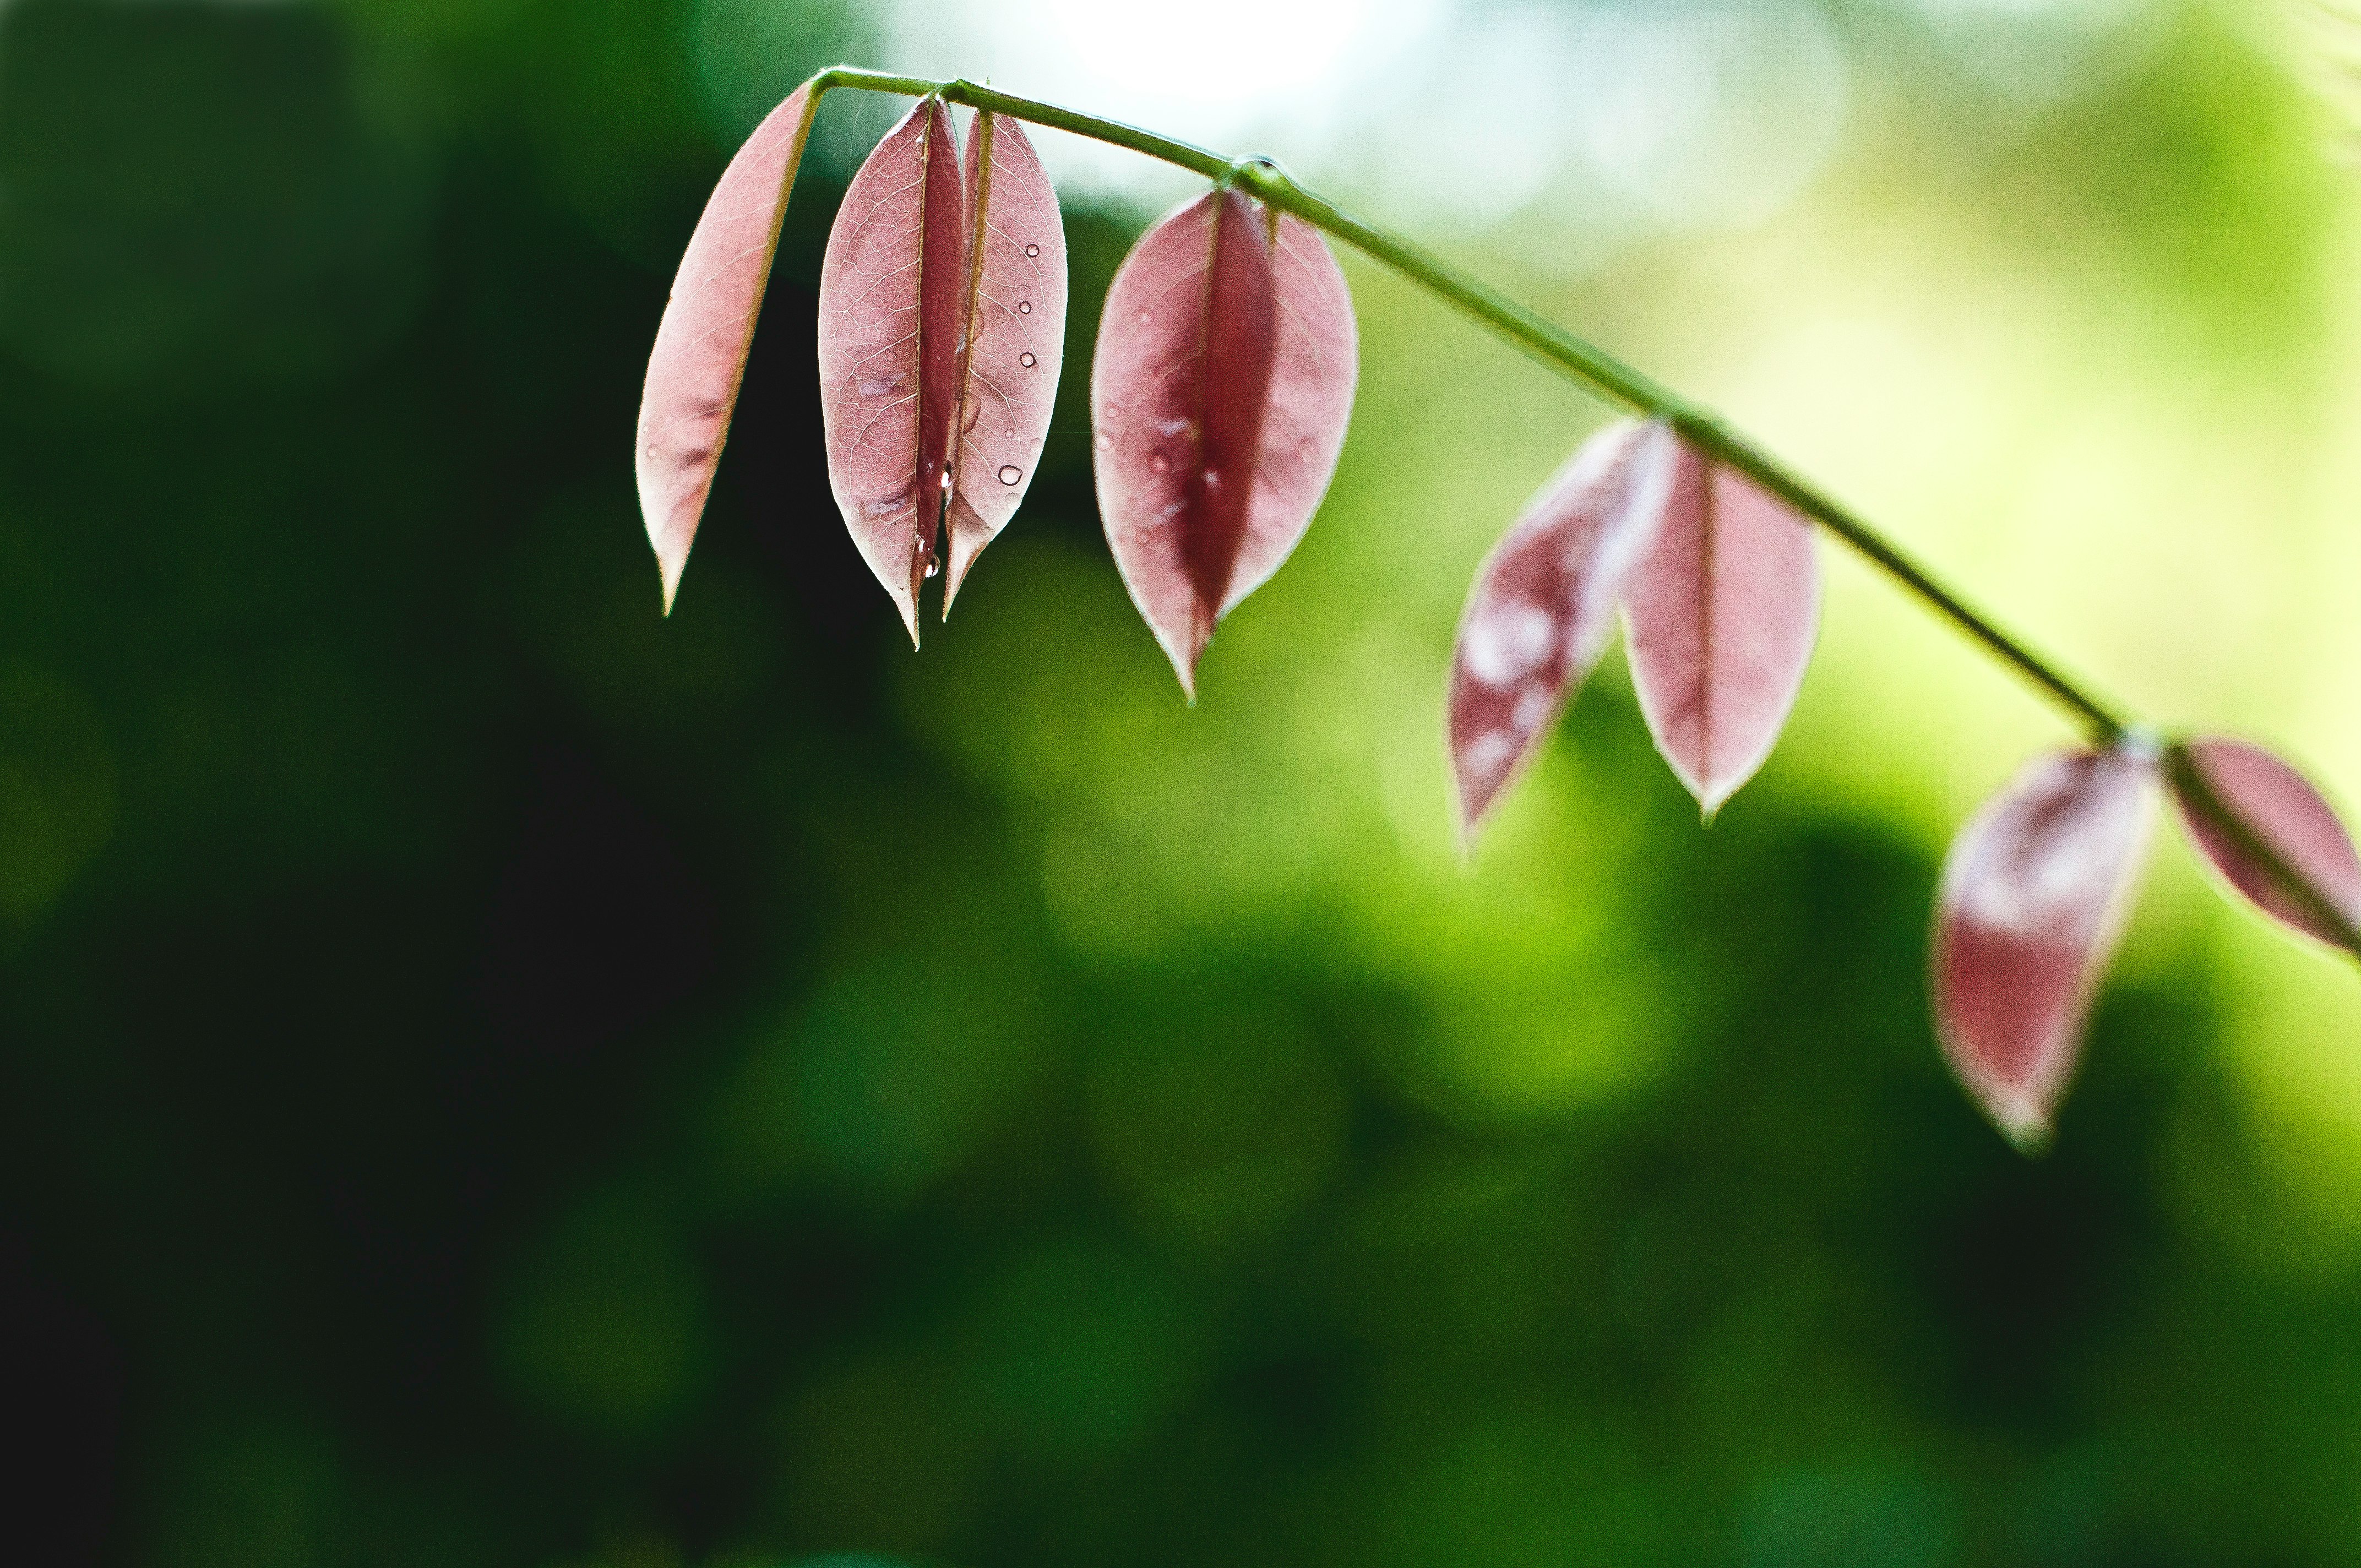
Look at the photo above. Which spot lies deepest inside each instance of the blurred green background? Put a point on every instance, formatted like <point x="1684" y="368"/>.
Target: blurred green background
<point x="492" y="1076"/>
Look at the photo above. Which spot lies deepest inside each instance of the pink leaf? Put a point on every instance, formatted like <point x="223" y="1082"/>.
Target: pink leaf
<point x="1017" y="337"/>
<point x="2033" y="899"/>
<point x="891" y="316"/>
<point x="2245" y="808"/>
<point x="1543" y="605"/>
<point x="708" y="327"/>
<point x="1721" y="615"/>
<point x="1219" y="396"/>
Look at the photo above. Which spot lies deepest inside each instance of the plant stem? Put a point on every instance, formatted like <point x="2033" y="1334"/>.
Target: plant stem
<point x="1544" y="340"/>
<point x="1585" y="362"/>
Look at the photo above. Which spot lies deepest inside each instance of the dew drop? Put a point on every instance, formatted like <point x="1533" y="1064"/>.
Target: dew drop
<point x="1010" y="472"/>
<point x="1160" y="463"/>
<point x="1107" y="442"/>
<point x="947" y="478"/>
<point x="1024" y="307"/>
<point x="1032" y="250"/>
<point x="1028" y="361"/>
<point x="933" y="568"/>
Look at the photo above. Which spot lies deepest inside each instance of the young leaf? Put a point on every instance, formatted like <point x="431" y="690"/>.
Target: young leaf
<point x="2033" y="899"/>
<point x="1016" y="337"/>
<point x="2246" y="809"/>
<point x="1219" y="396"/>
<point x="1543" y="605"/>
<point x="708" y="327"/>
<point x="891" y="314"/>
<point x="1720" y="618"/>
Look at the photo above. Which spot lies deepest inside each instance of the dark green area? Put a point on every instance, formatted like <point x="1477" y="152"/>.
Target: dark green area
<point x="492" y="1075"/>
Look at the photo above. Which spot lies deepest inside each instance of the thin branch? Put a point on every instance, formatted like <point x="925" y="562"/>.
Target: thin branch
<point x="1583" y="361"/>
<point x="1544" y="340"/>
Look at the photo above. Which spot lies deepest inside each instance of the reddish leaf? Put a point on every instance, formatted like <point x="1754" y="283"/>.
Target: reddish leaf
<point x="2246" y="801"/>
<point x="2033" y="899"/>
<point x="1219" y="396"/>
<point x="708" y="324"/>
<point x="1016" y="339"/>
<point x="1721" y="615"/>
<point x="891" y="316"/>
<point x="1543" y="605"/>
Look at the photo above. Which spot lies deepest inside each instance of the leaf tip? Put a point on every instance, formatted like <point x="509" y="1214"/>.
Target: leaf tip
<point x="2028" y="1132"/>
<point x="1470" y="828"/>
<point x="669" y="569"/>
<point x="2023" y="1113"/>
<point x="965" y="546"/>
<point x="1184" y="667"/>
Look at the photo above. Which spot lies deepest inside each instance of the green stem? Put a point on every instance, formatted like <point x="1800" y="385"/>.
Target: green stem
<point x="1544" y="340"/>
<point x="1585" y="362"/>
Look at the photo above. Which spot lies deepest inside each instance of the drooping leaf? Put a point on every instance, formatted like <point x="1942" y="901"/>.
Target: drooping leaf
<point x="1219" y="395"/>
<point x="1016" y="337"/>
<point x="2246" y="810"/>
<point x="891" y="317"/>
<point x="1721" y="616"/>
<point x="709" y="325"/>
<point x="2033" y="899"/>
<point x="1543" y="605"/>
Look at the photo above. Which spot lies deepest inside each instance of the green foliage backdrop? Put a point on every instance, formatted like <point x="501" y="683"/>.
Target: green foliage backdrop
<point x="492" y="1075"/>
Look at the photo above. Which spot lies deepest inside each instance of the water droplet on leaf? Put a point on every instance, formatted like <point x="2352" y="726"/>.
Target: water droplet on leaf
<point x="1024" y="307"/>
<point x="1160" y="463"/>
<point x="1010" y="472"/>
<point x="1032" y="250"/>
<point x="1027" y="360"/>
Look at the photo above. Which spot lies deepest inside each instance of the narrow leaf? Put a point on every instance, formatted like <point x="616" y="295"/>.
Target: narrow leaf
<point x="1219" y="396"/>
<point x="1543" y="605"/>
<point x="2033" y="897"/>
<point x="709" y="325"/>
<point x="1016" y="337"/>
<point x="2271" y="836"/>
<point x="891" y="317"/>
<point x="1721" y="616"/>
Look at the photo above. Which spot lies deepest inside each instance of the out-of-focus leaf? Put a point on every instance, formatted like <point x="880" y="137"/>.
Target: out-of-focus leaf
<point x="707" y="328"/>
<point x="1219" y="396"/>
<point x="1543" y="605"/>
<point x="891" y="316"/>
<point x="2033" y="899"/>
<point x="1016" y="337"/>
<point x="1721" y="614"/>
<point x="2271" y="836"/>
